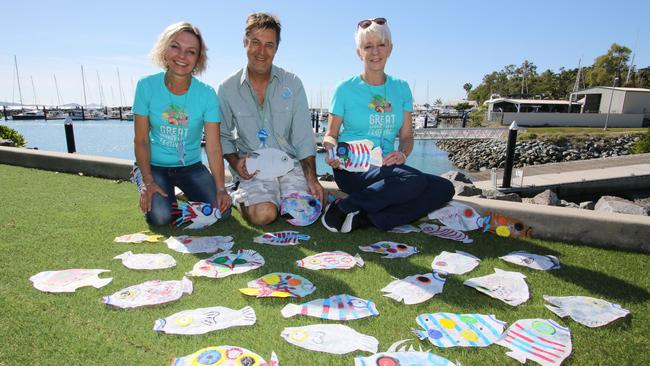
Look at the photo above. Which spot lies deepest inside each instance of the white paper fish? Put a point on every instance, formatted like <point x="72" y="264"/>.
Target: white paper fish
<point x="458" y="216"/>
<point x="534" y="261"/>
<point x="415" y="289"/>
<point x="357" y="156"/>
<point x="459" y="330"/>
<point x="303" y="208"/>
<point x="149" y="293"/>
<point x="586" y="310"/>
<point x="390" y="249"/>
<point x="403" y="356"/>
<point x="445" y="233"/>
<point x="69" y="280"/>
<point x="199" y="244"/>
<point x="228" y="263"/>
<point x="337" y="307"/>
<point x="138" y="238"/>
<point x="330" y="260"/>
<point x="281" y="238"/>
<point x="198" y="215"/>
<point x="509" y="287"/>
<point x="205" y="320"/>
<point x="146" y="260"/>
<point x="330" y="338"/>
<point x="279" y="284"/>
<point x="540" y="340"/>
<point x="224" y="356"/>
<point x="454" y="263"/>
<point x="269" y="163"/>
<point x="404" y="229"/>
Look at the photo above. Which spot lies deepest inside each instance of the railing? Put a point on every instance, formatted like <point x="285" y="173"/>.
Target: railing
<point x="461" y="133"/>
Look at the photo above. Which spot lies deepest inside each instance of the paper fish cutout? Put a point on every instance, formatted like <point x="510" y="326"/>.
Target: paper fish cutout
<point x="146" y="260"/>
<point x="138" y="238"/>
<point x="396" y="356"/>
<point x="302" y="207"/>
<point x="337" y="339"/>
<point x="445" y="233"/>
<point x="357" y="156"/>
<point x="224" y="356"/>
<point x="540" y="340"/>
<point x="415" y="289"/>
<point x="505" y="226"/>
<point x="585" y="310"/>
<point x="454" y="263"/>
<point x="199" y="215"/>
<point x="69" y="280"/>
<point x="199" y="244"/>
<point x="534" y="261"/>
<point x="509" y="287"/>
<point x="459" y="330"/>
<point x="205" y="320"/>
<point x="279" y="284"/>
<point x="228" y="263"/>
<point x="330" y="260"/>
<point x="390" y="249"/>
<point x="404" y="229"/>
<point x="269" y="163"/>
<point x="458" y="216"/>
<point x="337" y="307"/>
<point x="281" y="238"/>
<point x="149" y="293"/>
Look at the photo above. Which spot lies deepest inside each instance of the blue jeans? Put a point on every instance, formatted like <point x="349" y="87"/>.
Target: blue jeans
<point x="393" y="195"/>
<point x="194" y="180"/>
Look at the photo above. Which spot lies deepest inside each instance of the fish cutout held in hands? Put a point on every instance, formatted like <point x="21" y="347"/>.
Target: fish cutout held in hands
<point x="356" y="156"/>
<point x="269" y="163"/>
<point x="303" y="208"/>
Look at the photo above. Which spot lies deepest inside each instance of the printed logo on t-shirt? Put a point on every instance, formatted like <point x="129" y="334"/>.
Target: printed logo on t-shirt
<point x="380" y="104"/>
<point x="380" y="122"/>
<point x="175" y="132"/>
<point x="175" y="115"/>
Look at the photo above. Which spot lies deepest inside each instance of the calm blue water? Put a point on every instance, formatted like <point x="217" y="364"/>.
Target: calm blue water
<point x="114" y="138"/>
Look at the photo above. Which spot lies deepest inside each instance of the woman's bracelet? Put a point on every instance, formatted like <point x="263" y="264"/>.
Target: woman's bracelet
<point x="329" y="139"/>
<point x="403" y="154"/>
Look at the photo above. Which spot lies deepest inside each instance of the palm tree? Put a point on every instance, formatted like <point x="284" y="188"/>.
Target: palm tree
<point x="467" y="87"/>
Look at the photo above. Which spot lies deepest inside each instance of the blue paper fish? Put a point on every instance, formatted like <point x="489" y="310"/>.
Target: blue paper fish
<point x="586" y="310"/>
<point x="337" y="307"/>
<point x="281" y="238"/>
<point x="357" y="156"/>
<point x="302" y="207"/>
<point x="199" y="215"/>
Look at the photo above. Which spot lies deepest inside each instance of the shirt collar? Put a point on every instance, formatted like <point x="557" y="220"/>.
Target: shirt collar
<point x="275" y="73"/>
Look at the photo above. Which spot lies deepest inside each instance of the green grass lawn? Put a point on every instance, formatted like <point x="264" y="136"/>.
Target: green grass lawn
<point x="53" y="221"/>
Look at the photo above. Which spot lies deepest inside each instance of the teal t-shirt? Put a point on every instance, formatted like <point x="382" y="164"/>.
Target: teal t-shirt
<point x="373" y="112"/>
<point x="175" y="121"/>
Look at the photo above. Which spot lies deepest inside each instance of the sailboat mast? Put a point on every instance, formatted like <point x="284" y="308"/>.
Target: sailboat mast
<point x="101" y="90"/>
<point x="20" y="93"/>
<point x="33" y="90"/>
<point x="83" y="83"/>
<point x="58" y="94"/>
<point x="119" y="83"/>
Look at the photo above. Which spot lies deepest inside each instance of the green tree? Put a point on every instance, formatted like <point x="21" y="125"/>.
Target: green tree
<point x="467" y="87"/>
<point x="609" y="66"/>
<point x="461" y="107"/>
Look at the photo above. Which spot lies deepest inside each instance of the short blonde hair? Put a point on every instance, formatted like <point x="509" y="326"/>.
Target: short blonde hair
<point x="160" y="47"/>
<point x="380" y="31"/>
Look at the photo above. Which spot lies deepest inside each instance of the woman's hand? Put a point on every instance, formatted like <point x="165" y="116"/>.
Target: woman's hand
<point x="394" y="158"/>
<point x="330" y="155"/>
<point x="146" y="197"/>
<point x="224" y="201"/>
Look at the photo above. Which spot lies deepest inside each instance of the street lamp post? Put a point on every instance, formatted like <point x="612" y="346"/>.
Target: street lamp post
<point x="609" y="107"/>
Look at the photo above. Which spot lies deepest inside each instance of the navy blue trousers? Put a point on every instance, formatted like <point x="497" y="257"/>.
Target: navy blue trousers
<point x="393" y="195"/>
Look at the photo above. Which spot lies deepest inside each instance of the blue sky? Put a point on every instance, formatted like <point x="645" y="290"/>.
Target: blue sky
<point x="440" y="43"/>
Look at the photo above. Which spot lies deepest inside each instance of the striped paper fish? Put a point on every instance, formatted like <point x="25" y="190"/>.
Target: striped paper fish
<point x="459" y="330"/>
<point x="281" y="238"/>
<point x="357" y="156"/>
<point x="337" y="307"/>
<point x="330" y="260"/>
<point x="445" y="233"/>
<point x="540" y="340"/>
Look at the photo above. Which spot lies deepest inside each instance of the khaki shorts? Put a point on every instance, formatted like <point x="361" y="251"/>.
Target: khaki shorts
<point x="254" y="191"/>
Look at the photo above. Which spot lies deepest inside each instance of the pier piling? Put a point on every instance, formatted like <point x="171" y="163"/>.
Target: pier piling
<point x="510" y="155"/>
<point x="69" y="135"/>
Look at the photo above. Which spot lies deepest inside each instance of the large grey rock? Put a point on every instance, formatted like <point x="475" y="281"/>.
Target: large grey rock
<point x="588" y="205"/>
<point x="512" y="197"/>
<point x="619" y="205"/>
<point x="548" y="198"/>
<point x="5" y="142"/>
<point x="492" y="194"/>
<point x="467" y="190"/>
<point x="456" y="176"/>
<point x="564" y="203"/>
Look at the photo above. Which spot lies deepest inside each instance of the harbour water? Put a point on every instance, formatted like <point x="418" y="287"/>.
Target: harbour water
<point x="113" y="138"/>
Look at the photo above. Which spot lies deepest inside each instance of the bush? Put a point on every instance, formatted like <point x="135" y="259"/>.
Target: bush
<point x="8" y="133"/>
<point x="643" y="145"/>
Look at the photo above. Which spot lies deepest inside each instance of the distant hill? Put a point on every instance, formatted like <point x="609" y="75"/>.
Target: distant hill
<point x="8" y="104"/>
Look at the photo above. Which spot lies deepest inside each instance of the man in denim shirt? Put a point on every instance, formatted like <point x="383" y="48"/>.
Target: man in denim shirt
<point x="264" y="105"/>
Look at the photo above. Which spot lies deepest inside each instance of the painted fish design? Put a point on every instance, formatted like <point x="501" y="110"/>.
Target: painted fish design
<point x="187" y="244"/>
<point x="459" y="330"/>
<point x="146" y="260"/>
<point x="330" y="260"/>
<point x="540" y="340"/>
<point x="390" y="249"/>
<point x="330" y="338"/>
<point x="279" y="284"/>
<point x="224" y="356"/>
<point x="509" y="287"/>
<point x="357" y="156"/>
<point x="149" y="293"/>
<point x="415" y="289"/>
<point x="69" y="280"/>
<point x="138" y="238"/>
<point x="228" y="263"/>
<point x="445" y="233"/>
<point x="534" y="261"/>
<point x="454" y="263"/>
<point x="458" y="216"/>
<point x="505" y="226"/>
<point x="337" y="307"/>
<point x="198" y="215"/>
<point x="269" y="163"/>
<point x="404" y="229"/>
<point x="396" y="356"/>
<point x="586" y="310"/>
<point x="205" y="320"/>
<point x="281" y="238"/>
<point x="303" y="208"/>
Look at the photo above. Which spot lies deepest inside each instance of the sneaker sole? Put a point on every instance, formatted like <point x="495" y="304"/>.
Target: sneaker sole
<point x="322" y="220"/>
<point x="347" y="223"/>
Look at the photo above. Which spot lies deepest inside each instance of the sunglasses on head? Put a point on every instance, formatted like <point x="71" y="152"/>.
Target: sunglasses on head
<point x="367" y="22"/>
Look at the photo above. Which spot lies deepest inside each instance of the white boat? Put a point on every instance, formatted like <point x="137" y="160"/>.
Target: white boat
<point x="31" y="114"/>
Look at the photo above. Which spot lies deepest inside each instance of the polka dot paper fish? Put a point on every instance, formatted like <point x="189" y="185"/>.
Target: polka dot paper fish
<point x="205" y="320"/>
<point x="195" y="215"/>
<point x="149" y="293"/>
<point x="459" y="330"/>
<point x="281" y="238"/>
<point x="505" y="226"/>
<point x="199" y="244"/>
<point x="445" y="233"/>
<point x="337" y="339"/>
<point x="509" y="287"/>
<point x="454" y="263"/>
<point x="279" y="284"/>
<point x="356" y="156"/>
<point x="540" y="340"/>
<point x="337" y="307"/>
<point x="534" y="261"/>
<point x="303" y="208"/>
<point x="138" y="238"/>
<point x="228" y="263"/>
<point x="224" y="356"/>
<point x="390" y="249"/>
<point x="146" y="260"/>
<point x="69" y="280"/>
<point x="330" y="260"/>
<point x="415" y="289"/>
<point x="458" y="216"/>
<point x="402" y="356"/>
<point x="586" y="310"/>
